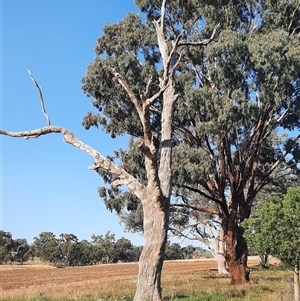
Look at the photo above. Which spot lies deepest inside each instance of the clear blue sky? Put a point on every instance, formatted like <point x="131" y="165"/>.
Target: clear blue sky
<point x="45" y="183"/>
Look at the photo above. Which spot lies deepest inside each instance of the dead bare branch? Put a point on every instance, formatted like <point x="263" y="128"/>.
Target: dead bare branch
<point x="41" y="97"/>
<point x="100" y="161"/>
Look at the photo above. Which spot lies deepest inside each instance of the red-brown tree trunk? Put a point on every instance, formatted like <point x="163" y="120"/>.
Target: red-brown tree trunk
<point x="236" y="254"/>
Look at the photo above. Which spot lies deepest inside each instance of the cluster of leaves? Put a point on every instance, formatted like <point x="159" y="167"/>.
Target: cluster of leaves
<point x="120" y="45"/>
<point x="275" y="230"/>
<point x="13" y="250"/>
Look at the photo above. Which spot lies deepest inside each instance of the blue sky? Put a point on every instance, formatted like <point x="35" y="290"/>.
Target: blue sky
<point x="45" y="183"/>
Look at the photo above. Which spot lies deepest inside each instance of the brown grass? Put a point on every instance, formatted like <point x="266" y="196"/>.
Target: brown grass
<point x="111" y="282"/>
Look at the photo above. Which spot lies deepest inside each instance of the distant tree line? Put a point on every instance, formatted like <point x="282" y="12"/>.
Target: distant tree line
<point x="67" y="250"/>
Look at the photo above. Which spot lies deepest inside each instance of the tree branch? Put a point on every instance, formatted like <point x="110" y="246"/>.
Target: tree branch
<point x="197" y="208"/>
<point x="130" y="93"/>
<point x="204" y="42"/>
<point x="293" y="15"/>
<point x="222" y="204"/>
<point x="151" y="100"/>
<point x="192" y="237"/>
<point x="162" y="44"/>
<point x="273" y="167"/>
<point x="100" y="161"/>
<point x="41" y="97"/>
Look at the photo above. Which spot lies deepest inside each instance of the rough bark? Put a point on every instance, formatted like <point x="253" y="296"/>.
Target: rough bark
<point x="156" y="209"/>
<point x="236" y="254"/>
<point x="156" y="220"/>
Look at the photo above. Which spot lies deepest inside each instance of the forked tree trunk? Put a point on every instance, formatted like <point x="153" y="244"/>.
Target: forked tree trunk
<point x="156" y="218"/>
<point x="236" y="255"/>
<point x="156" y="210"/>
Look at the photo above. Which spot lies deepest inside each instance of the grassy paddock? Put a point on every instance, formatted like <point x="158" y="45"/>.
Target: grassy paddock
<point x="269" y="285"/>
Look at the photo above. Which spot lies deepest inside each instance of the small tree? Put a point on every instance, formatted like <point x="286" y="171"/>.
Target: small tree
<point x="276" y="230"/>
<point x="173" y="251"/>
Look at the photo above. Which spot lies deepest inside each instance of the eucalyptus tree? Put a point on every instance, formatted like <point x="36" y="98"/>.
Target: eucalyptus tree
<point x="13" y="250"/>
<point x="133" y="85"/>
<point x="237" y="114"/>
<point x="107" y="246"/>
<point x="6" y="246"/>
<point x="47" y="248"/>
<point x="241" y="116"/>
<point x="235" y="98"/>
<point x="21" y="250"/>
<point x="82" y="253"/>
<point x="125" y="250"/>
<point x="67" y="245"/>
<point x="205" y="229"/>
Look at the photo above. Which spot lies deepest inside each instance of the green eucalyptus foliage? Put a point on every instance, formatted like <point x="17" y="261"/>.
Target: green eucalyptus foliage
<point x="6" y="246"/>
<point x="248" y="79"/>
<point x="120" y="47"/>
<point x="14" y="250"/>
<point x="276" y="228"/>
<point x="238" y="98"/>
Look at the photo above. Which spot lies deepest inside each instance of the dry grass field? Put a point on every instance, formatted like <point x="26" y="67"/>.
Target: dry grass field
<point x="117" y="282"/>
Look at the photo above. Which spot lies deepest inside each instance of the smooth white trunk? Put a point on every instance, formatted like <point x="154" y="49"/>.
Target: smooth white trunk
<point x="221" y="264"/>
<point x="218" y="243"/>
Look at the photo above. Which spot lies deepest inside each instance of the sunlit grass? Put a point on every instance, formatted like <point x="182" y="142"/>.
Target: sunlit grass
<point x="110" y="289"/>
<point x="267" y="285"/>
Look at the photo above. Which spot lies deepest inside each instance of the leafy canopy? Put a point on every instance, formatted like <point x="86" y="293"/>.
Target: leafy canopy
<point x="276" y="229"/>
<point x="238" y="98"/>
